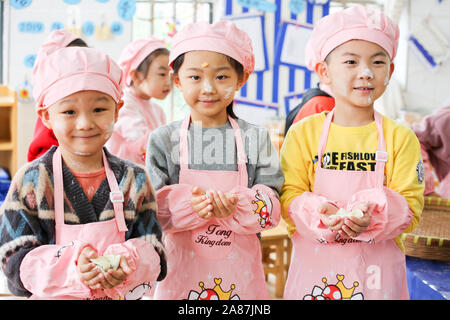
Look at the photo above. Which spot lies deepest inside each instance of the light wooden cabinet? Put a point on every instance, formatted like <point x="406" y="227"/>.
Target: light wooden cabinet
<point x="8" y="129"/>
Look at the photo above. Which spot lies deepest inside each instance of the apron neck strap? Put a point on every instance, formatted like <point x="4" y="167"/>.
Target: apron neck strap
<point x="116" y="196"/>
<point x="184" y="153"/>
<point x="381" y="156"/>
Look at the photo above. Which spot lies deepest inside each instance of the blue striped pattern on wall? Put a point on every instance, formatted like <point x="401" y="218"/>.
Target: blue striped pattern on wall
<point x="272" y="85"/>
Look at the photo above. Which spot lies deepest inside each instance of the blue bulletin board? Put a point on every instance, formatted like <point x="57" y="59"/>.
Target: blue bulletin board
<point x="283" y="77"/>
<point x="254" y="25"/>
<point x="292" y="100"/>
<point x="290" y="50"/>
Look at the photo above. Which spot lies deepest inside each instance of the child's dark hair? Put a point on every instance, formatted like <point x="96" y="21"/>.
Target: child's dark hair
<point x="144" y="66"/>
<point x="235" y="64"/>
<point x="77" y="43"/>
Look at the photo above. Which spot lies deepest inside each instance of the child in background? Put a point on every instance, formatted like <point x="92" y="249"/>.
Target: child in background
<point x="145" y="66"/>
<point x="351" y="159"/>
<point x="314" y="100"/>
<point x="43" y="137"/>
<point x="78" y="202"/>
<point x="217" y="177"/>
<point x="434" y="135"/>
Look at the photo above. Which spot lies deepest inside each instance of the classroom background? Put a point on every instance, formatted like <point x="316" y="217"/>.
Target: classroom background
<point x="279" y="30"/>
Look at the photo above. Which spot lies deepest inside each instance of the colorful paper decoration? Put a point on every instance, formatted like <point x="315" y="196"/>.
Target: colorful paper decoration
<point x="20" y="4"/>
<point x="262" y="5"/>
<point x="297" y="6"/>
<point x="24" y="91"/>
<point x="88" y="28"/>
<point x="72" y="1"/>
<point x="30" y="27"/>
<point x="172" y="28"/>
<point x="117" y="28"/>
<point x="126" y="9"/>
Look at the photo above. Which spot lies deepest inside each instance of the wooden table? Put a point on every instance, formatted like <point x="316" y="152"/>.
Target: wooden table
<point x="276" y="249"/>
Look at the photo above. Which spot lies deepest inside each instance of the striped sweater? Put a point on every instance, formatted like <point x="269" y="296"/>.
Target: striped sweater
<point x="27" y="217"/>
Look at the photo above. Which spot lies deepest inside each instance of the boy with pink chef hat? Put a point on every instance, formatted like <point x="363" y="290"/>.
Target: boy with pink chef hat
<point x="78" y="202"/>
<point x="145" y="66"/>
<point x="43" y="137"/>
<point x="353" y="178"/>
<point x="217" y="177"/>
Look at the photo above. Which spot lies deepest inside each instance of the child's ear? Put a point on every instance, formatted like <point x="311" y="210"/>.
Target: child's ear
<point x="45" y="117"/>
<point x="175" y="79"/>
<point x="243" y="80"/>
<point x="321" y="69"/>
<point x="135" y="76"/>
<point x="391" y="70"/>
<point x="118" y="106"/>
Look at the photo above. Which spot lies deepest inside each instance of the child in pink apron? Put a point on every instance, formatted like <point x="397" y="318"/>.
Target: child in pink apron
<point x="433" y="133"/>
<point x="43" y="137"/>
<point x="144" y="63"/>
<point x="351" y="159"/>
<point x="52" y="230"/>
<point x="212" y="209"/>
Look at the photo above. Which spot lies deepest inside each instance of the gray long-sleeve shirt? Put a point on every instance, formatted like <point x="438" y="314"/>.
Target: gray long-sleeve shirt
<point x="213" y="149"/>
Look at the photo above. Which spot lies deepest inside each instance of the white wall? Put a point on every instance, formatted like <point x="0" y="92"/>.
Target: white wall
<point x="426" y="90"/>
<point x="17" y="45"/>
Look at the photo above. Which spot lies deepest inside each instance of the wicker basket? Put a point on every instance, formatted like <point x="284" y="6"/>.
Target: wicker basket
<point x="431" y="238"/>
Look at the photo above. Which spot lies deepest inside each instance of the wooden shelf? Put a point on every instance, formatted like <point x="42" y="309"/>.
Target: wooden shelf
<point x="8" y="129"/>
<point x="6" y="102"/>
<point x="6" y="146"/>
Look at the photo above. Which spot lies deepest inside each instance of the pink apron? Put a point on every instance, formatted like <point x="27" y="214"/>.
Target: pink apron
<point x="346" y="269"/>
<point x="122" y="144"/>
<point x="99" y="234"/>
<point x="212" y="262"/>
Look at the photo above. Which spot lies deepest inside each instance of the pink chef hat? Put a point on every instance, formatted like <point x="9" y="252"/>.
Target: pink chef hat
<point x="223" y="37"/>
<point x="355" y="22"/>
<point x="55" y="40"/>
<point x="135" y="52"/>
<point x="72" y="69"/>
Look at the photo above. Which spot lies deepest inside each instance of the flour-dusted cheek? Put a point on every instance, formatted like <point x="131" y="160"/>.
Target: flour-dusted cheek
<point x="59" y="127"/>
<point x="229" y="92"/>
<point x="386" y="80"/>
<point x="108" y="129"/>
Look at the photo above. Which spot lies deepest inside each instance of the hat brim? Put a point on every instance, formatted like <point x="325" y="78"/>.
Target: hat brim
<point x="372" y="35"/>
<point x="213" y="44"/>
<point x="76" y="83"/>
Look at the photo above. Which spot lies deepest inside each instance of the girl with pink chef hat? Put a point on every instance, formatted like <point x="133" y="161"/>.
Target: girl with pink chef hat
<point x="353" y="178"/>
<point x="78" y="202"/>
<point x="145" y="66"/>
<point x="217" y="177"/>
<point x="43" y="137"/>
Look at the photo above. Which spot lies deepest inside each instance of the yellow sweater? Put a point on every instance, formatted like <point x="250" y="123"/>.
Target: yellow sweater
<point x="352" y="148"/>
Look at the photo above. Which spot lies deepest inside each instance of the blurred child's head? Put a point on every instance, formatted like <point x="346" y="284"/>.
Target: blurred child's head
<point x="352" y="51"/>
<point x="210" y="63"/>
<point x="57" y="39"/>
<point x="145" y="65"/>
<point x="78" y="95"/>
